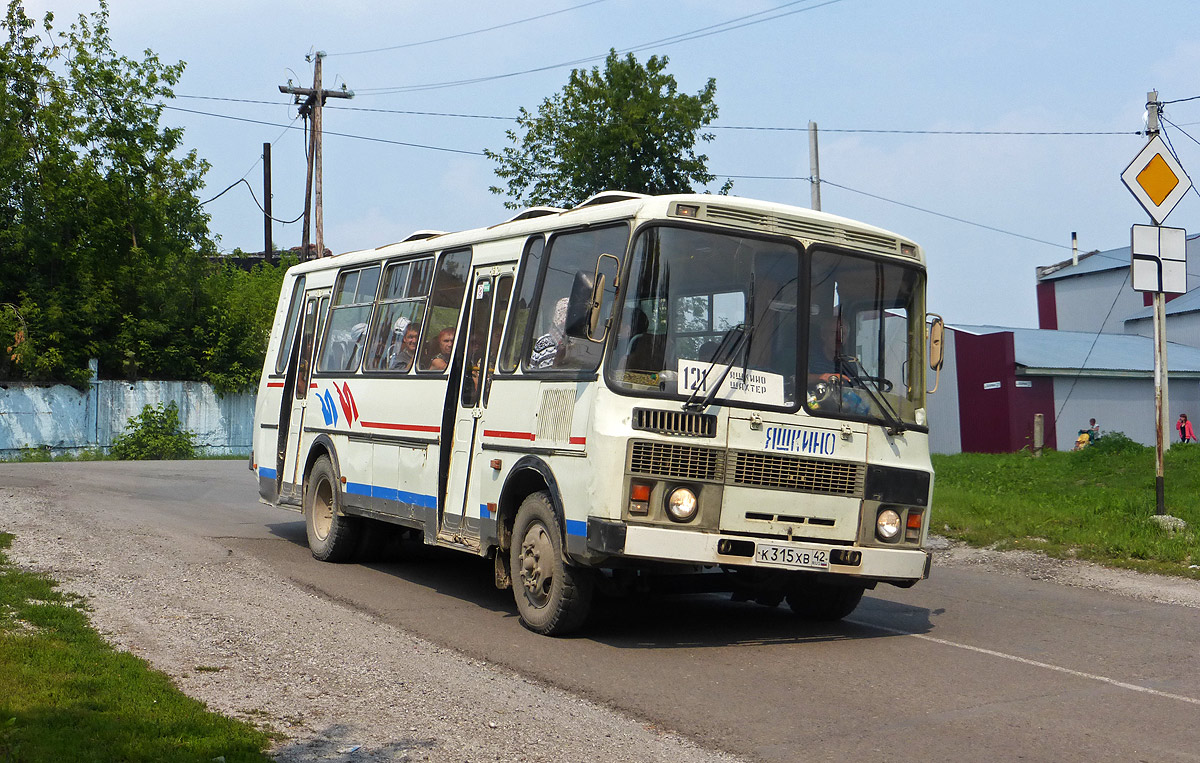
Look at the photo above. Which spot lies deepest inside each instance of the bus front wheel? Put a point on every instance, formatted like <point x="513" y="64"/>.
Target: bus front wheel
<point x="823" y="602"/>
<point x="332" y="536"/>
<point x="552" y="598"/>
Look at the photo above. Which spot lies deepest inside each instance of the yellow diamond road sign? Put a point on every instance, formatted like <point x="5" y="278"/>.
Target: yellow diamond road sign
<point x="1156" y="179"/>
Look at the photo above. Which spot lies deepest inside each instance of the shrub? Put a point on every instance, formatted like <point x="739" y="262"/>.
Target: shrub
<point x="1114" y="443"/>
<point x="155" y="433"/>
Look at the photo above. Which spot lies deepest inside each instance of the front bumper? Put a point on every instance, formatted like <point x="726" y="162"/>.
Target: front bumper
<point x="664" y="544"/>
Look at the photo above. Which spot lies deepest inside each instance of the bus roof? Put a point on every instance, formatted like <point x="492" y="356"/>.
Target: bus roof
<point x="726" y="211"/>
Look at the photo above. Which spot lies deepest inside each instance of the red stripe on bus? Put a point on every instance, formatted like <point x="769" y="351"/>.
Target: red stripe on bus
<point x="509" y="435"/>
<point x="312" y="386"/>
<point x="274" y="384"/>
<point x="578" y="441"/>
<point x="401" y="427"/>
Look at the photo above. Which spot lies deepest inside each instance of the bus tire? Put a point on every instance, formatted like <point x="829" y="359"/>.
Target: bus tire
<point x="822" y="602"/>
<point x="332" y="535"/>
<point x="553" y="598"/>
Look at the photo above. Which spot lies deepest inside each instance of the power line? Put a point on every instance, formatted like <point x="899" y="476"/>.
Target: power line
<point x="468" y="34"/>
<point x="256" y="202"/>
<point x="1178" y="100"/>
<point x="328" y="132"/>
<point x="939" y="214"/>
<point x="764" y="128"/>
<point x="673" y="39"/>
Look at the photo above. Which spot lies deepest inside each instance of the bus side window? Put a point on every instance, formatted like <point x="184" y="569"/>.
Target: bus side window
<point x="396" y="327"/>
<point x="569" y="253"/>
<point x="503" y="293"/>
<point x="346" y="337"/>
<point x="514" y="338"/>
<point x="445" y="303"/>
<point x="285" y="347"/>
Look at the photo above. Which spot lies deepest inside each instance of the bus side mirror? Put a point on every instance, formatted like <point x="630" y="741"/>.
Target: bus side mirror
<point x="937" y="352"/>
<point x="583" y="305"/>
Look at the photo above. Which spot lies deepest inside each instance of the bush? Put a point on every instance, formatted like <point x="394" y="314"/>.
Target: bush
<point x="153" y="434"/>
<point x="1114" y="443"/>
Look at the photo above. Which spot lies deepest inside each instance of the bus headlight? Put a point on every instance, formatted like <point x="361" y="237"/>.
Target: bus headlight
<point x="682" y="505"/>
<point x="887" y="524"/>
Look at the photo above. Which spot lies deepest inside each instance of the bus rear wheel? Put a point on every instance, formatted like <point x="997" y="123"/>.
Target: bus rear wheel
<point x="332" y="536"/>
<point x="553" y="598"/>
<point x="823" y="602"/>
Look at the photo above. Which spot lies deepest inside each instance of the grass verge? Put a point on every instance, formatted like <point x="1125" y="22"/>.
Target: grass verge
<point x="1095" y="504"/>
<point x="66" y="695"/>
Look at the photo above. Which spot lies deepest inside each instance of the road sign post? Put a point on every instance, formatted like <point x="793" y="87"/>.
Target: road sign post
<point x="1158" y="260"/>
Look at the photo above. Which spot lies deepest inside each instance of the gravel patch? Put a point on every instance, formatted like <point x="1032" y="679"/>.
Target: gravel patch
<point x="338" y="685"/>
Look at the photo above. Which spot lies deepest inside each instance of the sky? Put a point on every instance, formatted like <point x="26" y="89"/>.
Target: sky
<point x="888" y="82"/>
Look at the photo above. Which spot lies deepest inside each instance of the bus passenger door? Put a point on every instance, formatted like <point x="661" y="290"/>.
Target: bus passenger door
<point x="289" y="478"/>
<point x="490" y="290"/>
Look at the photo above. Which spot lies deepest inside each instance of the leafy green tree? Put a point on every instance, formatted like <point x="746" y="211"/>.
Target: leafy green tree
<point x="626" y="128"/>
<point x="103" y="243"/>
<point x="237" y="327"/>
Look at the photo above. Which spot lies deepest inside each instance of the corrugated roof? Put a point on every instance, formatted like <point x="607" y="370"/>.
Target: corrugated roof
<point x="1069" y="351"/>
<point x="1092" y="262"/>
<point x="1188" y="303"/>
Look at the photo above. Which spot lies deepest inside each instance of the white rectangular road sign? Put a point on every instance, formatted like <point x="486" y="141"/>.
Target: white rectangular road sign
<point x="1159" y="259"/>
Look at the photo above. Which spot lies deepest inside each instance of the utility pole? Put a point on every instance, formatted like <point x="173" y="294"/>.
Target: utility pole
<point x="814" y="166"/>
<point x="268" y="246"/>
<point x="310" y="108"/>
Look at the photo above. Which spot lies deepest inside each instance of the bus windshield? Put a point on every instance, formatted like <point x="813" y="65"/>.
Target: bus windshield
<point x="864" y="338"/>
<point x="709" y="316"/>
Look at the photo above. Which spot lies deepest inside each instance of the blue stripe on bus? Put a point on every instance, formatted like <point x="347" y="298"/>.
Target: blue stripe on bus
<point x="577" y="527"/>
<point x="266" y="473"/>
<point x="391" y="494"/>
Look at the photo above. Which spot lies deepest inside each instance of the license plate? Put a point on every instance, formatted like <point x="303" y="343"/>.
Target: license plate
<point x="789" y="556"/>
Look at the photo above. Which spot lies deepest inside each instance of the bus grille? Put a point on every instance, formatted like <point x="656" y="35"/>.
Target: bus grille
<point x="661" y="459"/>
<point x="804" y="475"/>
<point x="685" y="423"/>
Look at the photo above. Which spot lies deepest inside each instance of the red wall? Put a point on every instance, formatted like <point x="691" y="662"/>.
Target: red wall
<point x="1047" y="306"/>
<point x="998" y="420"/>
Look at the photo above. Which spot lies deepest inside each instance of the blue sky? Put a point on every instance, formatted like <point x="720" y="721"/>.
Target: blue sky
<point x="919" y="65"/>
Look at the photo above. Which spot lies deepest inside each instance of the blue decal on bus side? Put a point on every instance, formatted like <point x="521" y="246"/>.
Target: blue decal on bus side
<point x="391" y="494"/>
<point x="266" y="473"/>
<point x="577" y="527"/>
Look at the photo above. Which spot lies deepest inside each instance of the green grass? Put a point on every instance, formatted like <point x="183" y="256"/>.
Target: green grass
<point x="66" y="695"/>
<point x="1094" y="504"/>
<point x="43" y="454"/>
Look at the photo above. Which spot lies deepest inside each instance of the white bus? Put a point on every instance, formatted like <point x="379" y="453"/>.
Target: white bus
<point x="699" y="391"/>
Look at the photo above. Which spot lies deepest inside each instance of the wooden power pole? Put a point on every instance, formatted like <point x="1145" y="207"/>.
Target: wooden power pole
<point x="310" y="108"/>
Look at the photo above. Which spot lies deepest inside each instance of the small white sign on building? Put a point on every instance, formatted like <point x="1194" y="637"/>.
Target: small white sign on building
<point x="991" y="385"/>
<point x="1159" y="259"/>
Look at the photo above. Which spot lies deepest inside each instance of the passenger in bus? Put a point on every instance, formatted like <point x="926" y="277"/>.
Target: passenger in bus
<point x="345" y="348"/>
<point x="549" y="347"/>
<point x="403" y="349"/>
<point x="443" y="349"/>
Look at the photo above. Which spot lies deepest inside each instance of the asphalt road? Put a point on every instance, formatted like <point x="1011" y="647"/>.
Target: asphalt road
<point x="968" y="665"/>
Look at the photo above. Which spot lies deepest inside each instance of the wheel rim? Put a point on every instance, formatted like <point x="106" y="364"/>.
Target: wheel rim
<point x="322" y="509"/>
<point x="537" y="565"/>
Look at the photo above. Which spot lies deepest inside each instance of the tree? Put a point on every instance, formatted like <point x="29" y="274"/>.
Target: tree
<point x="626" y="128"/>
<point x="103" y="243"/>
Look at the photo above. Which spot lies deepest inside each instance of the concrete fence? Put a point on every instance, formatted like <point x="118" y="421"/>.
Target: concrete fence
<point x="67" y="420"/>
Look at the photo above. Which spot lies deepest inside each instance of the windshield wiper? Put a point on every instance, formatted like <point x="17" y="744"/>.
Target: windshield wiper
<point x="733" y="344"/>
<point x="845" y="365"/>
